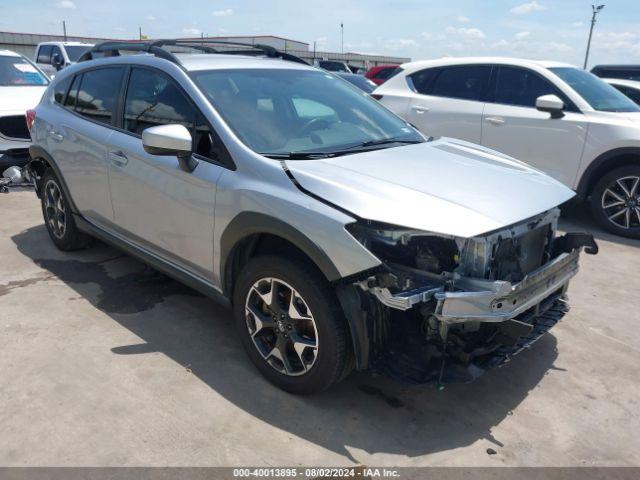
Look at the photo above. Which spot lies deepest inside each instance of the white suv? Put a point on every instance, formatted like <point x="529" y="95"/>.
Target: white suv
<point x="54" y="56"/>
<point x="560" y="119"/>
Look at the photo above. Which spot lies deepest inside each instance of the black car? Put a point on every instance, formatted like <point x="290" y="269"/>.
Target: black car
<point x="626" y="72"/>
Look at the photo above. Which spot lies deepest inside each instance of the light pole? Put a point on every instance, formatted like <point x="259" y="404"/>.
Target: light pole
<point x="342" y="37"/>
<point x="596" y="11"/>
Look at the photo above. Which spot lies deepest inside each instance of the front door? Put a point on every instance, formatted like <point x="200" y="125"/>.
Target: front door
<point x="512" y="124"/>
<point x="158" y="206"/>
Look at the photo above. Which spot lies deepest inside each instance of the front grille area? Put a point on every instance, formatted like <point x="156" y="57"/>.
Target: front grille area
<point x="14" y="126"/>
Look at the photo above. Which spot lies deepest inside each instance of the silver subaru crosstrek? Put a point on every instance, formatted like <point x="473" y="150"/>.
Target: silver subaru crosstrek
<point x="342" y="237"/>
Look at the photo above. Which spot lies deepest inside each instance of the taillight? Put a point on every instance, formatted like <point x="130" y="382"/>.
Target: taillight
<point x="377" y="96"/>
<point x="31" y="117"/>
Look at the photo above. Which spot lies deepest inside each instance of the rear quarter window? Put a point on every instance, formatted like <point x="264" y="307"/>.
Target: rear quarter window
<point x="60" y="89"/>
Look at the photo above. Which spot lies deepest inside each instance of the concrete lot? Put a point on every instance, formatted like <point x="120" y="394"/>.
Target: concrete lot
<point x="105" y="362"/>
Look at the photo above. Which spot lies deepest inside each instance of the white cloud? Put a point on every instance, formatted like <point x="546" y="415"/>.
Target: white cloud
<point x="463" y="19"/>
<point x="522" y="35"/>
<point x="525" y="8"/>
<point x="66" y="4"/>
<point x="191" y="31"/>
<point x="577" y="24"/>
<point x="400" y="43"/>
<point x="468" y="33"/>
<point x="151" y="18"/>
<point x="227" y="12"/>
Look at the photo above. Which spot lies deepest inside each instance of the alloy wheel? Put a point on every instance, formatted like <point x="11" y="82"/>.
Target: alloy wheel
<point x="54" y="209"/>
<point x="281" y="326"/>
<point x="621" y="202"/>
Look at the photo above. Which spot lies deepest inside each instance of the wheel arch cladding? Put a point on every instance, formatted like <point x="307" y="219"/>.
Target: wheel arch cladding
<point x="247" y="227"/>
<point x="604" y="163"/>
<point x="40" y="155"/>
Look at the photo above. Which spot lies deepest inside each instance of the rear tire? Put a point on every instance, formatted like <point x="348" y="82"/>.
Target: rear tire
<point x="312" y="342"/>
<point x="615" y="201"/>
<point x="58" y="217"/>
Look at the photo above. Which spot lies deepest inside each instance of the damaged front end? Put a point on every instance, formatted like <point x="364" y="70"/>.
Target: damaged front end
<point x="446" y="309"/>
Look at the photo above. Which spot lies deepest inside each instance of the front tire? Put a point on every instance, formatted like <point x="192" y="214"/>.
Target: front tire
<point x="291" y="324"/>
<point x="58" y="217"/>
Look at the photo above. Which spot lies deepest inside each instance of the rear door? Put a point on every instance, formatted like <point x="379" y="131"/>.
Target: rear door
<point x="78" y="140"/>
<point x="448" y="101"/>
<point x="513" y="125"/>
<point x="158" y="206"/>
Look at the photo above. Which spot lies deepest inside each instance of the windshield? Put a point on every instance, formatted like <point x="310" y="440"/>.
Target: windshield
<point x="278" y="111"/>
<point x="597" y="93"/>
<point x="75" y="51"/>
<point x="16" y="71"/>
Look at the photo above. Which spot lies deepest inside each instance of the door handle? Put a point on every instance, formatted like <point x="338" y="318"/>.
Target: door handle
<point x="495" y="120"/>
<point x="420" y="109"/>
<point x="119" y="158"/>
<point x="58" y="137"/>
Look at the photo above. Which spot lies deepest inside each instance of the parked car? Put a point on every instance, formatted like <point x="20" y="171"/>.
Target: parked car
<point x="342" y="237"/>
<point x="558" y="118"/>
<point x="21" y="87"/>
<point x="359" y="81"/>
<point x="630" y="88"/>
<point x="333" y="65"/>
<point x="381" y="73"/>
<point x="623" y="72"/>
<point x="51" y="57"/>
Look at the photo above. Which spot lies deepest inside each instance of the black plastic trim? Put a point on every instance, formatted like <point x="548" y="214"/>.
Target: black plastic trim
<point x="249" y="223"/>
<point x="37" y="152"/>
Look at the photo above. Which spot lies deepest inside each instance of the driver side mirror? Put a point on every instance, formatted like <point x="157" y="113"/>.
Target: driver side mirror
<point x="171" y="139"/>
<point x="550" y="104"/>
<point x="57" y="61"/>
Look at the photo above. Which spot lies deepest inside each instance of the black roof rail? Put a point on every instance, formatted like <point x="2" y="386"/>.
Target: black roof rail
<point x="154" y="47"/>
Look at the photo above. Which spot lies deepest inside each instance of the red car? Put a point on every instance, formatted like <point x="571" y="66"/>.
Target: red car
<point x="381" y="73"/>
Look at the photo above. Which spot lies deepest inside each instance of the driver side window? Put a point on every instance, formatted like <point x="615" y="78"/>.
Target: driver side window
<point x="153" y="99"/>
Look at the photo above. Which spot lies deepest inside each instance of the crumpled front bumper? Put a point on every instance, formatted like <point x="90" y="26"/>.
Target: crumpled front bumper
<point x="497" y="301"/>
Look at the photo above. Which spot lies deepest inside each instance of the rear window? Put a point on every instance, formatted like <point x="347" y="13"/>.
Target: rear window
<point x="44" y="54"/>
<point x="621" y="73"/>
<point x="98" y="93"/>
<point x="387" y="73"/>
<point x="16" y="71"/>
<point x="74" y="52"/>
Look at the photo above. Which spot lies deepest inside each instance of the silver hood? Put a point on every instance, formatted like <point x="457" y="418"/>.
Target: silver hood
<point x="444" y="186"/>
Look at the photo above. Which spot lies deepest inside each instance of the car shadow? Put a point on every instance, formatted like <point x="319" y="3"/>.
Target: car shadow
<point x="577" y="217"/>
<point x="372" y="414"/>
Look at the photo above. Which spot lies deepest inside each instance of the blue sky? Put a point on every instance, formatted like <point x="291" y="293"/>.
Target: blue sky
<point x="546" y="29"/>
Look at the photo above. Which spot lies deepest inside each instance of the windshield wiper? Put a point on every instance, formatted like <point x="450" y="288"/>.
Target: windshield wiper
<point x="385" y="141"/>
<point x="297" y="155"/>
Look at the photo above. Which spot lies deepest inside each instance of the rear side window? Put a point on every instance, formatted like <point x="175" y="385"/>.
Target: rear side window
<point x="70" y="101"/>
<point x="422" y="80"/>
<point x="153" y="99"/>
<point x="60" y="89"/>
<point x="98" y="93"/>
<point x="466" y="82"/>
<point x="521" y="87"/>
<point x="44" y="54"/>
